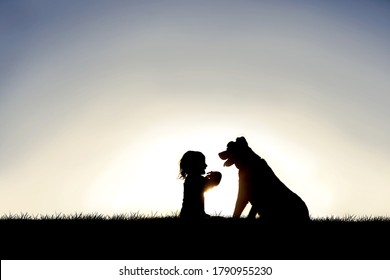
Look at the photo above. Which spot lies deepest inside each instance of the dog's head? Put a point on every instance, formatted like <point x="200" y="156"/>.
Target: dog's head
<point x="236" y="152"/>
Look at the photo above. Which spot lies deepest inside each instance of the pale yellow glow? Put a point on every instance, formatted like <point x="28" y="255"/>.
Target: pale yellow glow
<point x="143" y="176"/>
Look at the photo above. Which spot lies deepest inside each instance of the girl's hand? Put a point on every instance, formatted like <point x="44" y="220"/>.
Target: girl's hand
<point x="214" y="177"/>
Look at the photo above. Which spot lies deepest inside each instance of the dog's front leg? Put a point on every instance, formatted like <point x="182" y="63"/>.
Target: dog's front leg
<point x="240" y="206"/>
<point x="252" y="213"/>
<point x="241" y="202"/>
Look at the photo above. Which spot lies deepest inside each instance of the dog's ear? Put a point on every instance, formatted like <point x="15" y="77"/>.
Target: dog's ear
<point x="242" y="141"/>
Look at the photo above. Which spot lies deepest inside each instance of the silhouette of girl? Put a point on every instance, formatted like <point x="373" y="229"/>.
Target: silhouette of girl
<point x="192" y="167"/>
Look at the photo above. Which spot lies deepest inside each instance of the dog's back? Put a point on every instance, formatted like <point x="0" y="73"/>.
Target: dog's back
<point x="272" y="198"/>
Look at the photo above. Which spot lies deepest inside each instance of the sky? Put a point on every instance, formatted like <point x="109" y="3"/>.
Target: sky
<point x="100" y="99"/>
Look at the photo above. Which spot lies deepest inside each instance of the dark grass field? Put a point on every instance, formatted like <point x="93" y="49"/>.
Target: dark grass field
<point x="132" y="237"/>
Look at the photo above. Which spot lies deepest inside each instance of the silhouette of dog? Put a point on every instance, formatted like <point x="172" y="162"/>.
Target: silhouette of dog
<point x="258" y="185"/>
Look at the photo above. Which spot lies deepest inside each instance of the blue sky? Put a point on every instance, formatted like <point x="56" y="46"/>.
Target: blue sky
<point x="99" y="100"/>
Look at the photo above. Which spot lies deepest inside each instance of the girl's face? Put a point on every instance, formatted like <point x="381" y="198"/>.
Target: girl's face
<point x="200" y="166"/>
<point x="204" y="168"/>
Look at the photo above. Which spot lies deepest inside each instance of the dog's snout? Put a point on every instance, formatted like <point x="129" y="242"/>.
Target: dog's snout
<point x="223" y="155"/>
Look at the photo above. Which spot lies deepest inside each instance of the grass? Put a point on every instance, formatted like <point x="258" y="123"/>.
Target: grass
<point x="136" y="216"/>
<point x="78" y="216"/>
<point x="155" y="236"/>
<point x="353" y="219"/>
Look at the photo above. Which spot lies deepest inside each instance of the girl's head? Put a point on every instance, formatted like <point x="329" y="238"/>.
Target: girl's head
<point x="192" y="162"/>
